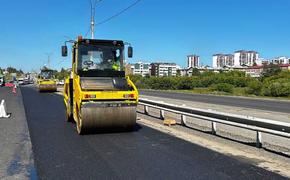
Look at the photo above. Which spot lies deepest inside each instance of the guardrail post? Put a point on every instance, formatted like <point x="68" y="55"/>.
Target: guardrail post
<point x="183" y="117"/>
<point x="162" y="116"/>
<point x="183" y="120"/>
<point x="213" y="128"/>
<point x="259" y="140"/>
<point x="146" y="111"/>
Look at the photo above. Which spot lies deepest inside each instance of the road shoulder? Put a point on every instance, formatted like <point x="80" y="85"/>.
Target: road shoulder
<point x="16" y="157"/>
<point x="245" y="153"/>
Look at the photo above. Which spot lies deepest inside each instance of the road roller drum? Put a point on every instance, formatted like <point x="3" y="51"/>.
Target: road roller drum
<point x="47" y="87"/>
<point x="96" y="117"/>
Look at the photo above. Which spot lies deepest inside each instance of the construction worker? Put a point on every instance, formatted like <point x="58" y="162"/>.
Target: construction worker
<point x="116" y="63"/>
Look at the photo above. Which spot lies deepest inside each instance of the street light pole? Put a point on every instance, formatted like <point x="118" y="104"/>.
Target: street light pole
<point x="93" y="9"/>
<point x="48" y="59"/>
<point x="93" y="12"/>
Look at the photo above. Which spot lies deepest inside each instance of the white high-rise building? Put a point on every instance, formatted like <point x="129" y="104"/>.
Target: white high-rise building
<point x="193" y="61"/>
<point x="245" y="58"/>
<point x="223" y="60"/>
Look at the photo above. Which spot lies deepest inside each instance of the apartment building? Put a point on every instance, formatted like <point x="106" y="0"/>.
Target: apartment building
<point x="193" y="61"/>
<point x="163" y="69"/>
<point x="245" y="58"/>
<point x="240" y="58"/>
<point x="281" y="60"/>
<point x="141" y="68"/>
<point x="223" y="60"/>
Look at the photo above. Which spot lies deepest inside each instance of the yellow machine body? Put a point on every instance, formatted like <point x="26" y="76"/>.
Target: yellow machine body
<point x="104" y="100"/>
<point x="46" y="82"/>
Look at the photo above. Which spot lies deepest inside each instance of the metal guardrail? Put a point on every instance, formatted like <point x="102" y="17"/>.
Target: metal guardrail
<point x="251" y="123"/>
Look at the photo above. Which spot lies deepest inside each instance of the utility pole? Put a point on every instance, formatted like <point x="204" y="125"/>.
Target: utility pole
<point x="48" y="59"/>
<point x="93" y="12"/>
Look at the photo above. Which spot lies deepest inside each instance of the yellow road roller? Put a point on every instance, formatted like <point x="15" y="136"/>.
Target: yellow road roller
<point x="46" y="81"/>
<point x="97" y="95"/>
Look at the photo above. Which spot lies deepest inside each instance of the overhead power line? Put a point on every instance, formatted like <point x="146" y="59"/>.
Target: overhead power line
<point x="113" y="16"/>
<point x="89" y="29"/>
<point x="118" y="14"/>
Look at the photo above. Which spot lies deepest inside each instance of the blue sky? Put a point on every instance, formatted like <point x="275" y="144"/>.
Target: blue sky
<point x="159" y="30"/>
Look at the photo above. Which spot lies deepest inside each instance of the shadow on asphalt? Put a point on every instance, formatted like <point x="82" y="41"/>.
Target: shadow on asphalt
<point x="47" y="92"/>
<point x="96" y="131"/>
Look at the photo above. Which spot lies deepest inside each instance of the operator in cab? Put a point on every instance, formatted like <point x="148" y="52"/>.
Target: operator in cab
<point x="101" y="60"/>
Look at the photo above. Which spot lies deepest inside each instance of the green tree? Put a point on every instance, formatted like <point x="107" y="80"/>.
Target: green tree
<point x="254" y="87"/>
<point x="11" y="70"/>
<point x="135" y="78"/>
<point x="184" y="83"/>
<point x="19" y="72"/>
<point x="178" y="72"/>
<point x="195" y="72"/>
<point x="14" y="70"/>
<point x="277" y="89"/>
<point x="62" y="74"/>
<point x="222" y="87"/>
<point x="270" y="70"/>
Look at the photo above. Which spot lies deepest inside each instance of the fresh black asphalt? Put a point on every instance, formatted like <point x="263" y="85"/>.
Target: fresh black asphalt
<point x="269" y="105"/>
<point x="60" y="153"/>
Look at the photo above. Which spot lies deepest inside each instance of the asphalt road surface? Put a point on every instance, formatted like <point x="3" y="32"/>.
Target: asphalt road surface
<point x="59" y="153"/>
<point x="269" y="105"/>
<point x="16" y="160"/>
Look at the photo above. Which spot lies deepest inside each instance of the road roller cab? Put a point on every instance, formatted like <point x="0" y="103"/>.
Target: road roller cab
<point x="46" y="81"/>
<point x="97" y="95"/>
